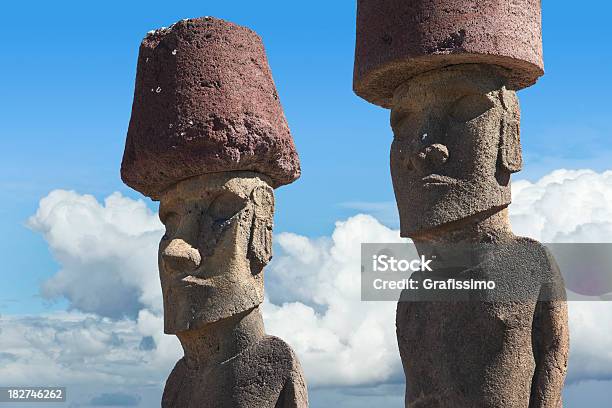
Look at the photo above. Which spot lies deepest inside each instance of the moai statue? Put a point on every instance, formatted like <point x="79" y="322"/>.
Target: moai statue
<point x="448" y="70"/>
<point x="209" y="140"/>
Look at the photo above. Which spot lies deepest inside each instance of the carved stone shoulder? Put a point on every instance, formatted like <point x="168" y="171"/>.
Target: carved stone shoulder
<point x="277" y="364"/>
<point x="267" y="375"/>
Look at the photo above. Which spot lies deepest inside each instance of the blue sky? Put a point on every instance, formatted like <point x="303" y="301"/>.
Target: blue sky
<point x="68" y="71"/>
<point x="67" y="82"/>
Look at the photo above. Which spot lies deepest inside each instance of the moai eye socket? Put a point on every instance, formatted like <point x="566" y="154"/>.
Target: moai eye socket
<point x="401" y="153"/>
<point x="225" y="206"/>
<point x="400" y="123"/>
<point x="171" y="222"/>
<point x="470" y="107"/>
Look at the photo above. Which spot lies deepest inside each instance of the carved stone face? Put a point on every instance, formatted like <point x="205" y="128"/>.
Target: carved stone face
<point x="456" y="142"/>
<point x="218" y="239"/>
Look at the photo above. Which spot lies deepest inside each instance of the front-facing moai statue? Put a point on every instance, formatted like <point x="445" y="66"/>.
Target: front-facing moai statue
<point x="448" y="70"/>
<point x="209" y="140"/>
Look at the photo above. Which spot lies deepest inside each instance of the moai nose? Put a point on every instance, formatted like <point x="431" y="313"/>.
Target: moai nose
<point x="431" y="157"/>
<point x="179" y="256"/>
<point x="436" y="154"/>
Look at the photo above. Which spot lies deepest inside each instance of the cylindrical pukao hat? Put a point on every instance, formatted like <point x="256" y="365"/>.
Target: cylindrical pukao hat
<point x="205" y="102"/>
<point x="399" y="39"/>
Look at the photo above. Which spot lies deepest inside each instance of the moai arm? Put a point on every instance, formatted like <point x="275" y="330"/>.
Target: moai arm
<point x="550" y="344"/>
<point x="294" y="393"/>
<point x="551" y="349"/>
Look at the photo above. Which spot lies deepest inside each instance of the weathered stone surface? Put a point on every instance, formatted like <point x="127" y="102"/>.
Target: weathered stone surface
<point x="262" y="371"/>
<point x="211" y="259"/>
<point x="205" y="102"/>
<point x="482" y="351"/>
<point x="456" y="143"/>
<point x="452" y="127"/>
<point x="448" y="70"/>
<point x="484" y="359"/>
<point x="208" y="138"/>
<point x="398" y="39"/>
<point x="218" y="240"/>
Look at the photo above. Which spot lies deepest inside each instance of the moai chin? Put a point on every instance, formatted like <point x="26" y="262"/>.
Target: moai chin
<point x="209" y="140"/>
<point x="448" y="70"/>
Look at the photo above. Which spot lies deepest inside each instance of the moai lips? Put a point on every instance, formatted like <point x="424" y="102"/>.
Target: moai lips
<point x="205" y="102"/>
<point x="398" y="39"/>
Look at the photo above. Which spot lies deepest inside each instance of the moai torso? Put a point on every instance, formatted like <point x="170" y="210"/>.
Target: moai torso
<point x="267" y="374"/>
<point x="484" y="350"/>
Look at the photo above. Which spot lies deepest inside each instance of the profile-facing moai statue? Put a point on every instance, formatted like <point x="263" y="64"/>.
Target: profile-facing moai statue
<point x="209" y="140"/>
<point x="448" y="70"/>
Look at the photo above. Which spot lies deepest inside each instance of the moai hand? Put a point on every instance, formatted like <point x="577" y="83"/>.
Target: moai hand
<point x="448" y="71"/>
<point x="209" y="140"/>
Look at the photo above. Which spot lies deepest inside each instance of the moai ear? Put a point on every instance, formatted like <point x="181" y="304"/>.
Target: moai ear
<point x="510" y="152"/>
<point x="260" y="244"/>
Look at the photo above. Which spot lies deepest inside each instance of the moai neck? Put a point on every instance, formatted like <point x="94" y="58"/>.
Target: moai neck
<point x="487" y="227"/>
<point x="222" y="340"/>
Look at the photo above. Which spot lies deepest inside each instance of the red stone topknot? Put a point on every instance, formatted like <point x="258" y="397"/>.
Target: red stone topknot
<point x="205" y="102"/>
<point x="399" y="39"/>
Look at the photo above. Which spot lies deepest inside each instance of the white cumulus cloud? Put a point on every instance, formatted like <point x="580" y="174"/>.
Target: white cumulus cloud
<point x="564" y="206"/>
<point x="107" y="252"/>
<point x="108" y="257"/>
<point x="340" y="339"/>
